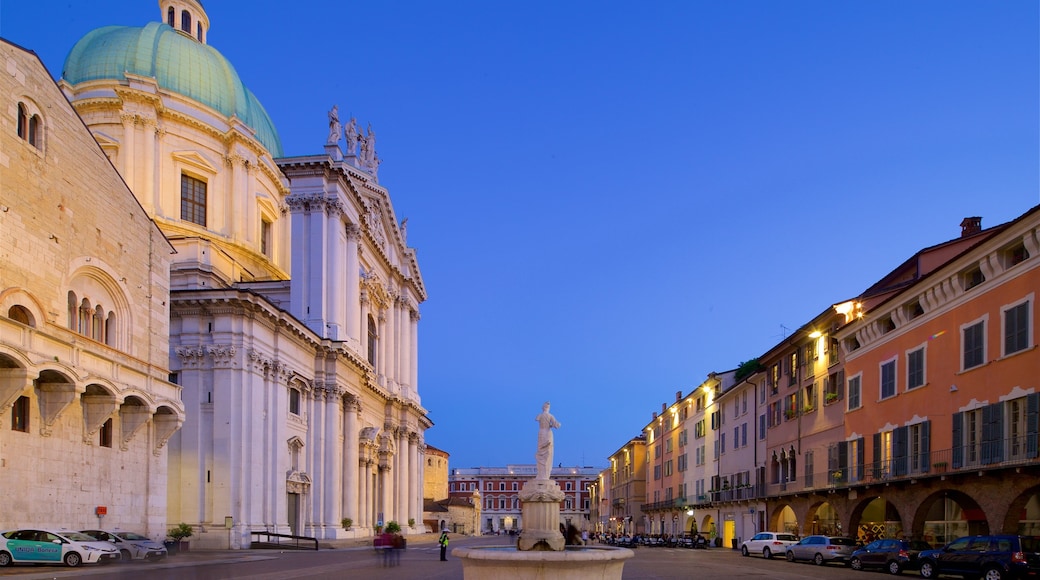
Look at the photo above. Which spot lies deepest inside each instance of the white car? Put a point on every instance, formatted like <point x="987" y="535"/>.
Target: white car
<point x="35" y="546"/>
<point x="768" y="544"/>
<point x="131" y="546"/>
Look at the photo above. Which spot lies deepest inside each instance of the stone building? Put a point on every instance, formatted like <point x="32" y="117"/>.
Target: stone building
<point x="84" y="317"/>
<point x="294" y="298"/>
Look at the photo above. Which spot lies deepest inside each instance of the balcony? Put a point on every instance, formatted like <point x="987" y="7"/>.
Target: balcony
<point x="995" y="455"/>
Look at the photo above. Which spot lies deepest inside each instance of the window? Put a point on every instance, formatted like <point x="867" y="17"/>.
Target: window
<point x="743" y="435"/>
<point x="854" y="392"/>
<point x="294" y="401"/>
<point x="28" y="126"/>
<point x="761" y="427"/>
<point x="20" y="415"/>
<point x="21" y="315"/>
<point x="832" y="351"/>
<point x="502" y="486"/>
<point x="193" y="200"/>
<point x="915" y="368"/>
<point x="973" y="343"/>
<point x="105" y="434"/>
<point x="887" y="325"/>
<point x="888" y="379"/>
<point x="265" y="238"/>
<point x="973" y="278"/>
<point x="373" y="337"/>
<point x="667" y="468"/>
<point x="186" y="21"/>
<point x="514" y="486"/>
<point x="1016" y="328"/>
<point x="171" y="16"/>
<point x="792" y="369"/>
<point x="1016" y="418"/>
<point x="736" y="437"/>
<point x="774" y="378"/>
<point x="914" y="310"/>
<point x="1016" y="255"/>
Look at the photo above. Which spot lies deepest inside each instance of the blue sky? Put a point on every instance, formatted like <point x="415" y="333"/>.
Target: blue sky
<point x="610" y="200"/>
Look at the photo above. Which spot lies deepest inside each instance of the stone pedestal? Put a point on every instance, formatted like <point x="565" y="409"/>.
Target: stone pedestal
<point x="540" y="511"/>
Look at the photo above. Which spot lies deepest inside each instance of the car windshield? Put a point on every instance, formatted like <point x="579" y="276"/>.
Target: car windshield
<point x="78" y="537"/>
<point x="788" y="537"/>
<point x="842" y="541"/>
<point x="132" y="536"/>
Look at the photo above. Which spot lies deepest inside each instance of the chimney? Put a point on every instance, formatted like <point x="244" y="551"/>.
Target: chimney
<point x="678" y="396"/>
<point x="655" y="416"/>
<point x="664" y="407"/>
<point x="971" y="226"/>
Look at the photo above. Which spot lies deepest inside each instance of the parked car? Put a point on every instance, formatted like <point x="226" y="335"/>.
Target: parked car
<point x="892" y="555"/>
<point x="993" y="557"/>
<point x="822" y="549"/>
<point x="768" y="544"/>
<point x="35" y="546"/>
<point x="131" y="546"/>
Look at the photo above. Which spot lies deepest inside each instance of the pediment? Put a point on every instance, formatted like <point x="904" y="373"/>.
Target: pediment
<point x="195" y="160"/>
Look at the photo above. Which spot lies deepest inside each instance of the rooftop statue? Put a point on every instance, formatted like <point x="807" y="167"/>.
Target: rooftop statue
<point x="544" y="455"/>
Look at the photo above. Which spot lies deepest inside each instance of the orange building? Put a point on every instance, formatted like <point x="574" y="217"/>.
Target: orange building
<point x="942" y="401"/>
<point x="627" y="491"/>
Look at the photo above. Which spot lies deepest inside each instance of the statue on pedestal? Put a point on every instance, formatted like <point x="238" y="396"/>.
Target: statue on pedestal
<point x="350" y="132"/>
<point x="544" y="455"/>
<point x="333" y="126"/>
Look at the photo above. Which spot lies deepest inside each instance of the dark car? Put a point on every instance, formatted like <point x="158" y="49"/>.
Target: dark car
<point x="993" y="557"/>
<point x="892" y="555"/>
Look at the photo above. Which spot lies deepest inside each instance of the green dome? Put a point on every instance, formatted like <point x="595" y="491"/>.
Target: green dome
<point x="178" y="63"/>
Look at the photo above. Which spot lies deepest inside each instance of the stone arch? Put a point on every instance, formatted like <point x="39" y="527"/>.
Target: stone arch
<point x="959" y="512"/>
<point x="822" y="517"/>
<point x="784" y="519"/>
<point x="1023" y="514"/>
<point x="18" y="298"/>
<point x="875" y="517"/>
<point x="96" y="283"/>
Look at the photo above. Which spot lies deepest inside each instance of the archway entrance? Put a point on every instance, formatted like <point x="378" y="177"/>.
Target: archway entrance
<point x="824" y="520"/>
<point x="879" y="519"/>
<point x="949" y="515"/>
<point x="786" y="521"/>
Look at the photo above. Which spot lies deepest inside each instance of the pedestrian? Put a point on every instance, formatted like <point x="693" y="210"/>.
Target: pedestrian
<point x="443" y="541"/>
<point x="585" y="537"/>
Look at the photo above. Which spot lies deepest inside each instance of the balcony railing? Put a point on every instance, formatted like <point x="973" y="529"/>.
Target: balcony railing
<point x="1000" y="454"/>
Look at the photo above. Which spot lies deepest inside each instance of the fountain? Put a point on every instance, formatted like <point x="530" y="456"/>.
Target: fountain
<point x="540" y="553"/>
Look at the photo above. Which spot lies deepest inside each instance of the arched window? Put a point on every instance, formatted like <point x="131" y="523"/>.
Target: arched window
<point x="198" y="28"/>
<point x="97" y="324"/>
<point x="110" y="324"/>
<point x="23" y="121"/>
<point x="34" y="131"/>
<point x="73" y="310"/>
<point x="186" y="21"/>
<point x="22" y="315"/>
<point x="372" y="340"/>
<point x="83" y="326"/>
<point x="171" y="15"/>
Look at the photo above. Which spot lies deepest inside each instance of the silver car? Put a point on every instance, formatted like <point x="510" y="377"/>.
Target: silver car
<point x="131" y="546"/>
<point x="822" y="549"/>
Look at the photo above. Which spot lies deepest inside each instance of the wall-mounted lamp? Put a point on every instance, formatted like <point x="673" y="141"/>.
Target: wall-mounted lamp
<point x="953" y="388"/>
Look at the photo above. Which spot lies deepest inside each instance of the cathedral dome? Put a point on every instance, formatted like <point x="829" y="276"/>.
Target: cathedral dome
<point x="179" y="62"/>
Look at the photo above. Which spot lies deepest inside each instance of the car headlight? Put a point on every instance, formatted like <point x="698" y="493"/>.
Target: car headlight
<point x="89" y="548"/>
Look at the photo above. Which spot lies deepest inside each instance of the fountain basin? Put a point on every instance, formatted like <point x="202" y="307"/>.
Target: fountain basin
<point x="507" y="562"/>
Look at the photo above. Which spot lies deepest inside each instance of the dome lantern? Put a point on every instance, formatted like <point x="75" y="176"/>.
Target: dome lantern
<point x="187" y="17"/>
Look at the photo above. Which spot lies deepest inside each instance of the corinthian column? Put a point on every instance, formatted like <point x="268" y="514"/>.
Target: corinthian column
<point x="404" y="502"/>
<point x="128" y="150"/>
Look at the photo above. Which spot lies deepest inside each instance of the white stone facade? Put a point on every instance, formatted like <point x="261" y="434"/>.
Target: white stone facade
<point x="84" y="297"/>
<point x="294" y="309"/>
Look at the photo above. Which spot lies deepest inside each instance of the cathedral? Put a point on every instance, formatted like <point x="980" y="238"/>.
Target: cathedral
<point x="280" y="374"/>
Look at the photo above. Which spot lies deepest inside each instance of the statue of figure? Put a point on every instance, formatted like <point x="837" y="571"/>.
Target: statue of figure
<point x="544" y="455"/>
<point x="351" y="134"/>
<point x="365" y="148"/>
<point x="370" y="157"/>
<point x="334" y="126"/>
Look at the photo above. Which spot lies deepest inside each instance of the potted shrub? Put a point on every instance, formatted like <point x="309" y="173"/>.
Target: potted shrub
<point x="393" y="527"/>
<point x="347" y="523"/>
<point x="411" y="522"/>
<point x="179" y="535"/>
